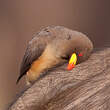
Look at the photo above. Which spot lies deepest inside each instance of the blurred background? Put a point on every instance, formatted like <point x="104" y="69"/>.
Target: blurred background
<point x="20" y="19"/>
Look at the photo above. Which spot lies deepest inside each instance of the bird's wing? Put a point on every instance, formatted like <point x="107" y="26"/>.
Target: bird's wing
<point x="34" y="49"/>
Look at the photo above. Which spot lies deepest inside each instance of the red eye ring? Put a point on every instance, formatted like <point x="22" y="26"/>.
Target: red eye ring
<point x="80" y="54"/>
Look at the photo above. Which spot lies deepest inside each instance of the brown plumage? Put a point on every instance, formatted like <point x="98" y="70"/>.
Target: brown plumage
<point x="50" y="47"/>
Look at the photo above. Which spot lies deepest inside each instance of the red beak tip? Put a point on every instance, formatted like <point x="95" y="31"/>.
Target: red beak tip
<point x="70" y="66"/>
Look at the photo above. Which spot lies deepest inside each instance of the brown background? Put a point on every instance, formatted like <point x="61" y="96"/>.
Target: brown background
<point x="20" y="19"/>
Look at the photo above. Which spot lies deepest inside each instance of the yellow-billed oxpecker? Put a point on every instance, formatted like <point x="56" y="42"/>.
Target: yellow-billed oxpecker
<point x="52" y="46"/>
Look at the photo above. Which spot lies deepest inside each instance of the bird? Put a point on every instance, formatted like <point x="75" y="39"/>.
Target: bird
<point x="51" y="47"/>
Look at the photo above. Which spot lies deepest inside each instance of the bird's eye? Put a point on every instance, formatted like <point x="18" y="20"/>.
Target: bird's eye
<point x="80" y="54"/>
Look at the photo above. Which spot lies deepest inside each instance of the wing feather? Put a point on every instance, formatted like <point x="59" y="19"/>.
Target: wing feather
<point x="34" y="49"/>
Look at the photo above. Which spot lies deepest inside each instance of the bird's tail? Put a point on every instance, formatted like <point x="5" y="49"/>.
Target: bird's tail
<point x="21" y="75"/>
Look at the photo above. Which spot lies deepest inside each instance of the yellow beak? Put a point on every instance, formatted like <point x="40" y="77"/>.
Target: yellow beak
<point x="72" y="61"/>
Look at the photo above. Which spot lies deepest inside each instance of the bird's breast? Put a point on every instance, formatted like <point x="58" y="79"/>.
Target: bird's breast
<point x="47" y="60"/>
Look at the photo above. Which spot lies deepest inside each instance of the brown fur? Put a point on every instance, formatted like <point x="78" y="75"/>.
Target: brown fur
<point x="86" y="87"/>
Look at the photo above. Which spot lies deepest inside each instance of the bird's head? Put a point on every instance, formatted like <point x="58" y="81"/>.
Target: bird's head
<point x="73" y="60"/>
